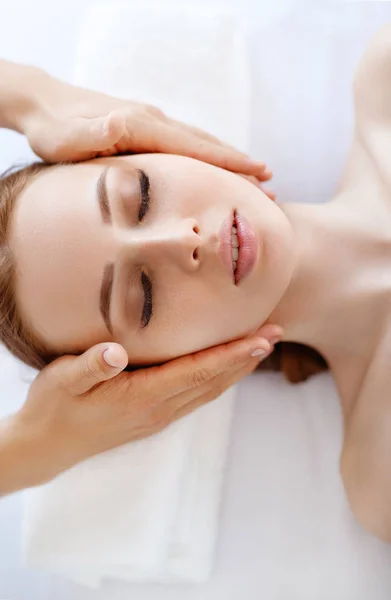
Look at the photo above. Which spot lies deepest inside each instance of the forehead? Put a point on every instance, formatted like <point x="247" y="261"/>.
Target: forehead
<point x="54" y="234"/>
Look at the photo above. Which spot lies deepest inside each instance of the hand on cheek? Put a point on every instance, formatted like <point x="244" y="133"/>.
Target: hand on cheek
<point x="258" y="183"/>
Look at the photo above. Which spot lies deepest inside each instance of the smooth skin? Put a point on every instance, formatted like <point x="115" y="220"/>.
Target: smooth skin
<point x="339" y="298"/>
<point x="193" y="302"/>
<point x="95" y="406"/>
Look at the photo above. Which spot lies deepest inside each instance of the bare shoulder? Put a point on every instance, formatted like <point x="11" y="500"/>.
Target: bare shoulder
<point x="365" y="463"/>
<point x="372" y="79"/>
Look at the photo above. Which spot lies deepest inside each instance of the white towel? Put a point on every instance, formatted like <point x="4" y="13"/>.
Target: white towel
<point x="148" y="511"/>
<point x="192" y="63"/>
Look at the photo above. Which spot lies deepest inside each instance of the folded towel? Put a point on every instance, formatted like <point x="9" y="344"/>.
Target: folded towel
<point x="192" y="63"/>
<point x="148" y="511"/>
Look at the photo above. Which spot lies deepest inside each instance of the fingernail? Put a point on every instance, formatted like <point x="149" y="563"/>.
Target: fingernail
<point x="266" y="190"/>
<point x="258" y="352"/>
<point x="259" y="164"/>
<point x="110" y="357"/>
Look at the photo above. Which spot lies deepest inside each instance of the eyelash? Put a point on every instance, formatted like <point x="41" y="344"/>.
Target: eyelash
<point x="145" y="281"/>
<point x="145" y="199"/>
<point x="148" y="306"/>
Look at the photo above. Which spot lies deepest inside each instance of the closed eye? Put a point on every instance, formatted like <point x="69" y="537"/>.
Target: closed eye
<point x="148" y="304"/>
<point x="145" y="198"/>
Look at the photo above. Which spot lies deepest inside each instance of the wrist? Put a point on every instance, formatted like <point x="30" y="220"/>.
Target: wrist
<point x="32" y="102"/>
<point x="20" y="87"/>
<point x="11" y="457"/>
<point x="24" y="457"/>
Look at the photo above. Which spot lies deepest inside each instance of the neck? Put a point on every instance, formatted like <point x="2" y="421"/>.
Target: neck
<point x="321" y="294"/>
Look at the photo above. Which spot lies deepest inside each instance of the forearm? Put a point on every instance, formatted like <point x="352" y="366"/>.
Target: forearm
<point x="20" y="88"/>
<point x="21" y="459"/>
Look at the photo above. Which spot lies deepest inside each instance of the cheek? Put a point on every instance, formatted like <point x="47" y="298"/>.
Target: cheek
<point x="199" y="320"/>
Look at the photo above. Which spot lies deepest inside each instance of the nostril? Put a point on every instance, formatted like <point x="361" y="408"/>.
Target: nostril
<point x="195" y="254"/>
<point x="196" y="230"/>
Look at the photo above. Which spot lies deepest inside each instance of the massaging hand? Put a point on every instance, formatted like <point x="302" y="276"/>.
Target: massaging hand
<point x="71" y="123"/>
<point x="79" y="406"/>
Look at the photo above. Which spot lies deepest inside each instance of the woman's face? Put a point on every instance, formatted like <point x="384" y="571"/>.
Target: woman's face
<point x="166" y="290"/>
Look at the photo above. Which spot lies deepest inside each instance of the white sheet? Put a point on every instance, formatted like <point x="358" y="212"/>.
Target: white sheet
<point x="267" y="549"/>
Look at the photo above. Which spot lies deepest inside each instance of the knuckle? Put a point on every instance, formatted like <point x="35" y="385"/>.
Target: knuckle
<point x="89" y="370"/>
<point x="55" y="372"/>
<point x="116" y="388"/>
<point x="136" y="116"/>
<point x="200" y="376"/>
<point x="154" y="111"/>
<point x="235" y="359"/>
<point x="136" y="386"/>
<point x="125" y="391"/>
<point x="203" y="145"/>
<point x="225" y="162"/>
<point x="140" y="383"/>
<point x="58" y="147"/>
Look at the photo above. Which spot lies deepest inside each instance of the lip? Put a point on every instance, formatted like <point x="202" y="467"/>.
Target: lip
<point x="225" y="248"/>
<point x="248" y="247"/>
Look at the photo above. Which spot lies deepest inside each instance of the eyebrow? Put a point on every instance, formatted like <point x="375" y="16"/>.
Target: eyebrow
<point x="102" y="195"/>
<point x="108" y="273"/>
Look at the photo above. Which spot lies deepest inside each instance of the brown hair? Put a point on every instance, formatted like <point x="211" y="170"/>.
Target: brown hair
<point x="14" y="333"/>
<point x="296" y="361"/>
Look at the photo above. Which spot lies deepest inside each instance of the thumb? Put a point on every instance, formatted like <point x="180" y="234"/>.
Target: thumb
<point x="80" y="138"/>
<point x="100" y="363"/>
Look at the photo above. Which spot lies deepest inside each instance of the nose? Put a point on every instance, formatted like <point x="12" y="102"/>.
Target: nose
<point x="177" y="242"/>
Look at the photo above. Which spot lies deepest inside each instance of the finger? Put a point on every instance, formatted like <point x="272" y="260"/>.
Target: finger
<point x="218" y="383"/>
<point x="79" y="138"/>
<point x="255" y="181"/>
<point x="270" y="332"/>
<point x="78" y="374"/>
<point x="251" y="178"/>
<point x="264" y="174"/>
<point x="166" y="412"/>
<point x="193" y="370"/>
<point x="268" y="192"/>
<point x="175" y="409"/>
<point x="207" y="394"/>
<point x="174" y="140"/>
<point x="202" y="134"/>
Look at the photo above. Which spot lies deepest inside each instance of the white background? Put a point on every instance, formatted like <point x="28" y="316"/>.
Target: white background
<point x="302" y="59"/>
